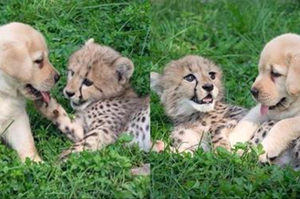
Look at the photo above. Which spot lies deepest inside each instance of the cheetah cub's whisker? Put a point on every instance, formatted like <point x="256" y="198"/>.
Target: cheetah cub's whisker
<point x="106" y="106"/>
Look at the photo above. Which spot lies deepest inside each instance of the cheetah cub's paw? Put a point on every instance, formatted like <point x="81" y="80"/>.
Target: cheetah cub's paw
<point x="49" y="110"/>
<point x="158" y="146"/>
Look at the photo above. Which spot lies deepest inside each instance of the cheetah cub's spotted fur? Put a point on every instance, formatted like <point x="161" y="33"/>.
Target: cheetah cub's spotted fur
<point x="106" y="106"/>
<point x="191" y="92"/>
<point x="289" y="157"/>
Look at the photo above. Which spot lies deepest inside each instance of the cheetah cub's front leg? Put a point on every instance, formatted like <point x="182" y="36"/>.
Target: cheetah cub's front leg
<point x="94" y="139"/>
<point x="220" y="134"/>
<point x="189" y="139"/>
<point x="57" y="114"/>
<point x="184" y="139"/>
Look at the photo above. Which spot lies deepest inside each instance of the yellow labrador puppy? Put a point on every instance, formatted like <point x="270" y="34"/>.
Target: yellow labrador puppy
<point x="277" y="89"/>
<point x="25" y="72"/>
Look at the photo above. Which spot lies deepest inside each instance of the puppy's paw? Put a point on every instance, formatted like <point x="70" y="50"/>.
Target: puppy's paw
<point x="263" y="158"/>
<point x="274" y="144"/>
<point x="271" y="151"/>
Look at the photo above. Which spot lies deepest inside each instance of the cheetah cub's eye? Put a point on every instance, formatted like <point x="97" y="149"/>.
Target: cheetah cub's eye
<point x="212" y="75"/>
<point x="87" y="82"/>
<point x="189" y="77"/>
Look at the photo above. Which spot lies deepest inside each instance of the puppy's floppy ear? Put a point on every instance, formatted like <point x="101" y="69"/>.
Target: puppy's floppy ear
<point x="124" y="68"/>
<point x="15" y="60"/>
<point x="293" y="76"/>
<point x="155" y="84"/>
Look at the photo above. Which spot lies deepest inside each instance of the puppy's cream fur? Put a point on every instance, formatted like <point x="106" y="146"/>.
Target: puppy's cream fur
<point x="281" y="56"/>
<point x="23" y="60"/>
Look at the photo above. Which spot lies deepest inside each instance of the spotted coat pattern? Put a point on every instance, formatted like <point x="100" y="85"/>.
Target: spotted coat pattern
<point x="101" y="123"/>
<point x="106" y="106"/>
<point x="291" y="156"/>
<point x="207" y="130"/>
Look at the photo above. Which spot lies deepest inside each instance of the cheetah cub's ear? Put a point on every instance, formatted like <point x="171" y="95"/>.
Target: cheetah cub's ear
<point x="155" y="84"/>
<point x="90" y="41"/>
<point x="124" y="68"/>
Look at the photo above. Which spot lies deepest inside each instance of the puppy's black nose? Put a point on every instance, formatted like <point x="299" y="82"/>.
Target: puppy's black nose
<point x="70" y="94"/>
<point x="56" y="78"/>
<point x="208" y="87"/>
<point x="254" y="92"/>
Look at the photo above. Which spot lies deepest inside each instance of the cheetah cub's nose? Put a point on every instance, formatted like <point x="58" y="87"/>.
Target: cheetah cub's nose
<point x="69" y="94"/>
<point x="208" y="87"/>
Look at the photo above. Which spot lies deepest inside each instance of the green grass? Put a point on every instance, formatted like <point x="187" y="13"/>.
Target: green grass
<point x="66" y="25"/>
<point x="232" y="33"/>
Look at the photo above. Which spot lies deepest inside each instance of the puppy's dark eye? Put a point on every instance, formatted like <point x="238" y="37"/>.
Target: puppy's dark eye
<point x="38" y="61"/>
<point x="212" y="75"/>
<point x="189" y="77"/>
<point x="87" y="82"/>
<point x="275" y="74"/>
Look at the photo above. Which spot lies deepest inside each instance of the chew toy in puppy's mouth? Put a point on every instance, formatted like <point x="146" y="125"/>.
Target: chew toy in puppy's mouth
<point x="38" y="94"/>
<point x="206" y="100"/>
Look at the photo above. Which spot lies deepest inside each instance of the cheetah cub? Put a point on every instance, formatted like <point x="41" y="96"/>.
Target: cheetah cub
<point x="191" y="92"/>
<point x="106" y="106"/>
